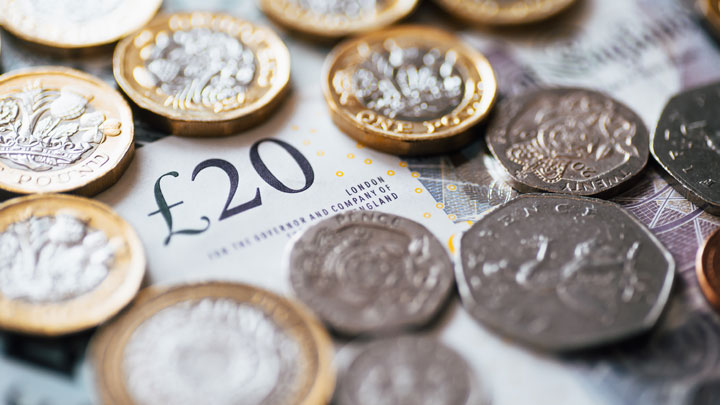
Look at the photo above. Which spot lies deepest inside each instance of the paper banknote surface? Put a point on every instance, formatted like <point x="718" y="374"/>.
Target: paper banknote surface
<point x="197" y="223"/>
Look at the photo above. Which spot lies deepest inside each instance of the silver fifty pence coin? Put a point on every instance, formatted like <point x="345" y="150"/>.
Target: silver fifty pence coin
<point x="568" y="140"/>
<point x="563" y="272"/>
<point x="687" y="144"/>
<point x="370" y="272"/>
<point x="408" y="370"/>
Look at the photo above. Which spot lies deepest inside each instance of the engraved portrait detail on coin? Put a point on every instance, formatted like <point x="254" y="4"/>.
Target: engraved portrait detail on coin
<point x="568" y="140"/>
<point x="45" y="129"/>
<point x="53" y="258"/>
<point x="199" y="69"/>
<point x="409" y="83"/>
<point x="362" y="275"/>
<point x="211" y="351"/>
<point x="597" y="272"/>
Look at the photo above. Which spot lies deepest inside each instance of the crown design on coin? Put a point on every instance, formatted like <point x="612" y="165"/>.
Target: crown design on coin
<point x="47" y="129"/>
<point x="575" y="128"/>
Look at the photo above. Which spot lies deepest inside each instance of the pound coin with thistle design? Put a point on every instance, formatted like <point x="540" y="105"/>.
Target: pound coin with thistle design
<point x="410" y="90"/>
<point x="61" y="130"/>
<point x="203" y="74"/>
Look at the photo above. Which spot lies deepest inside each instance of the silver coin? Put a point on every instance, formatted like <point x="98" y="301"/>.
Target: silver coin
<point x="365" y="272"/>
<point x="406" y="371"/>
<point x="570" y="141"/>
<point x="687" y="144"/>
<point x="563" y="273"/>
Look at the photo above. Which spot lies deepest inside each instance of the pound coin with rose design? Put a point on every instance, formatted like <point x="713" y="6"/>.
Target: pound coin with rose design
<point x="410" y="90"/>
<point x="217" y="343"/>
<point x="203" y="74"/>
<point x="61" y="130"/>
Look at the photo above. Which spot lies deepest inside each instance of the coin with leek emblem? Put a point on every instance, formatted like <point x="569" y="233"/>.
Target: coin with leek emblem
<point x="504" y="12"/>
<point x="336" y="18"/>
<point x="203" y="74"/>
<point x="75" y="25"/>
<point x="66" y="264"/>
<point x="409" y="90"/>
<point x="217" y="343"/>
<point x="61" y="130"/>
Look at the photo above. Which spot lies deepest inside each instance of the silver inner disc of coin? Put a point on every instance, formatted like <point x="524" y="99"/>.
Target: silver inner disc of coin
<point x="563" y="272"/>
<point x="409" y="83"/>
<point x="370" y="272"/>
<point x="201" y="66"/>
<point x="53" y="258"/>
<point x="214" y="351"/>
<point x="340" y="8"/>
<point x="72" y="10"/>
<point x="406" y="371"/>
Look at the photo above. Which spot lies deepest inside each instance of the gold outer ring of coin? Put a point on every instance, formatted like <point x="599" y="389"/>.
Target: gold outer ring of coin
<point x="128" y="18"/>
<point x="290" y="15"/>
<point x="94" y="307"/>
<point x="707" y="267"/>
<point x="107" y="347"/>
<point x="269" y="85"/>
<point x="711" y="10"/>
<point x="488" y="12"/>
<point x="92" y="171"/>
<point x="438" y="135"/>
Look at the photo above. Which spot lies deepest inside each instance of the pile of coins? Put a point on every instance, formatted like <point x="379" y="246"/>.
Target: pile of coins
<point x="555" y="270"/>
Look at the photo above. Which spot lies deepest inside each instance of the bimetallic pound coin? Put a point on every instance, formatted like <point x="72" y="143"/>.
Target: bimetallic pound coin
<point x="202" y="74"/>
<point x="687" y="144"/>
<point x="62" y="130"/>
<point x="711" y="10"/>
<point x="504" y="12"/>
<point x="409" y="90"/>
<point x="708" y="269"/>
<point x="213" y="343"/>
<point x="336" y="18"/>
<point x="66" y="264"/>
<point x="563" y="273"/>
<point x="76" y="24"/>
<point x="571" y="141"/>
<point x="370" y="272"/>
<point x="407" y="371"/>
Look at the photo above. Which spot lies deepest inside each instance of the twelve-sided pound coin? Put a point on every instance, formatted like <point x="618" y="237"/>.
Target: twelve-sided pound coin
<point x="563" y="273"/>
<point x="687" y="144"/>
<point x="571" y="141"/>
<point x="409" y="370"/>
<point x="336" y="18"/>
<point x="408" y="90"/>
<point x="213" y="343"/>
<point x="366" y="272"/>
<point x="62" y="130"/>
<point x="66" y="264"/>
<point x="203" y="74"/>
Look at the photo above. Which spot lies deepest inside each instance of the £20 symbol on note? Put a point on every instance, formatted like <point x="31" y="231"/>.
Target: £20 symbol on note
<point x="229" y="170"/>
